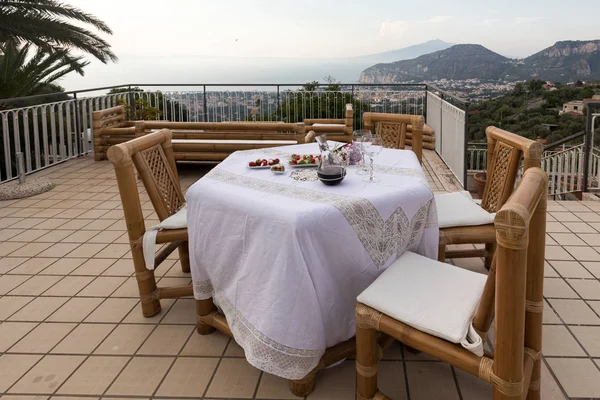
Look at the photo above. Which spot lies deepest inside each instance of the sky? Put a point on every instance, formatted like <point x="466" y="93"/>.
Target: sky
<point x="188" y="39"/>
<point x="328" y="28"/>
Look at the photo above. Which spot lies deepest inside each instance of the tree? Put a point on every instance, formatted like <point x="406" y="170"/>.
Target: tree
<point x="23" y="73"/>
<point x="53" y="27"/>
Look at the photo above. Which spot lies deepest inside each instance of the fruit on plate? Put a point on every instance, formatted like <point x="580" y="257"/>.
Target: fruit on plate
<point x="278" y="168"/>
<point x="307" y="159"/>
<point x="263" y="162"/>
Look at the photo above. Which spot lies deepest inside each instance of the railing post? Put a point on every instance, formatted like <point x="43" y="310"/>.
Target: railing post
<point x="586" y="148"/>
<point x="278" y="108"/>
<point x="131" y="103"/>
<point x="78" y="139"/>
<point x="204" y="104"/>
<point x="465" y="176"/>
<point x="21" y="167"/>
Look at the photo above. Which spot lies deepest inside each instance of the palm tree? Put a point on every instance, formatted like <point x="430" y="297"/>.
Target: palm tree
<point x="47" y="25"/>
<point x="24" y="74"/>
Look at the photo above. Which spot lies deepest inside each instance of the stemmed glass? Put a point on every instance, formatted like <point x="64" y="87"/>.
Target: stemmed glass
<point x="374" y="148"/>
<point x="360" y="138"/>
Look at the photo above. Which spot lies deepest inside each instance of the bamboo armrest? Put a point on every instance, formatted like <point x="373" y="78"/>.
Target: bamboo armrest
<point x="468" y="234"/>
<point x="172" y="235"/>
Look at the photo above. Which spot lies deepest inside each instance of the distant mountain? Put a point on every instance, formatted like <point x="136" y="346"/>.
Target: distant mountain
<point x="406" y="53"/>
<point x="566" y="61"/>
<point x="562" y="62"/>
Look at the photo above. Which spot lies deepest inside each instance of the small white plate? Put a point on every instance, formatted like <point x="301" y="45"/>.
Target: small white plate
<point x="261" y="167"/>
<point x="303" y="165"/>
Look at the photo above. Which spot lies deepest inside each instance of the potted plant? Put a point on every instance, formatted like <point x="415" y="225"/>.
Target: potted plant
<point x="480" y="179"/>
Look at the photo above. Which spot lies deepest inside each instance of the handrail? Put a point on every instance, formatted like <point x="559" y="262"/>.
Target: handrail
<point x="463" y="102"/>
<point x="564" y="140"/>
<point x="274" y="85"/>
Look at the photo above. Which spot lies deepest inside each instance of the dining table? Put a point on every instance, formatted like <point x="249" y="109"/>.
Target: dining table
<point x="284" y="256"/>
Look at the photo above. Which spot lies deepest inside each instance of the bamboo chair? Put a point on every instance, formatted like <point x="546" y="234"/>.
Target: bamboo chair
<point x="153" y="158"/>
<point x="416" y="301"/>
<point x="393" y="130"/>
<point x="462" y="220"/>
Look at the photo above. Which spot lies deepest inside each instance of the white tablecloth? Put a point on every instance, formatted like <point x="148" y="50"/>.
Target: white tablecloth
<point x="284" y="259"/>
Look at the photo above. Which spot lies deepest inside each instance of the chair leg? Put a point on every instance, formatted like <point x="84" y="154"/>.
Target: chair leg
<point x="366" y="363"/>
<point x="203" y="308"/>
<point x="303" y="387"/>
<point x="442" y="253"/>
<point x="184" y="257"/>
<point x="146" y="285"/>
<point x="490" y="249"/>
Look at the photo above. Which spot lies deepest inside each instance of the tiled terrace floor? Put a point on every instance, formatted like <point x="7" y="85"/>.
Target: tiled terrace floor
<point x="70" y="324"/>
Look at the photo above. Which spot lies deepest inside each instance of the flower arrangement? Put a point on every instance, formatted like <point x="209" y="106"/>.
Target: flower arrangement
<point x="346" y="154"/>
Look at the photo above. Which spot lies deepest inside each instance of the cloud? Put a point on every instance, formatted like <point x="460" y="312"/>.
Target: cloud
<point x="397" y="28"/>
<point x="488" y="22"/>
<point x="528" y="20"/>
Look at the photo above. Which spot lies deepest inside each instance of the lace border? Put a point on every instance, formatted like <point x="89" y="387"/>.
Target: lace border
<point x="261" y="351"/>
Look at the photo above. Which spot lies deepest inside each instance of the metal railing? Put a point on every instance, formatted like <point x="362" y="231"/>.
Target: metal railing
<point x="450" y="124"/>
<point x="57" y="131"/>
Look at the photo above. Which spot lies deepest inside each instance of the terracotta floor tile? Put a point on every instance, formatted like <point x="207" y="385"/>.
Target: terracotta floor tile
<point x="122" y="267"/>
<point x="124" y="340"/>
<point x="11" y="332"/>
<point x="13" y="366"/>
<point x="86" y="250"/>
<point x="33" y="266"/>
<point x="11" y="304"/>
<point x="274" y="387"/>
<point x="235" y="378"/>
<point x="570" y="269"/>
<point x="76" y="309"/>
<point x="588" y="289"/>
<point x="129" y="288"/>
<point x="425" y="379"/>
<point x="6" y="234"/>
<point x="31" y="250"/>
<point x="112" y="310"/>
<point x="29" y="235"/>
<point x="43" y="338"/>
<point x="83" y="339"/>
<point x="102" y="286"/>
<point x="593" y="267"/>
<point x="135" y="316"/>
<point x="114" y="250"/>
<point x="558" y="341"/>
<point x="574" y="311"/>
<point x="94" y="375"/>
<point x="36" y="285"/>
<point x="63" y="266"/>
<point x="9" y="282"/>
<point x="39" y="309"/>
<point x="234" y="349"/>
<point x="188" y="377"/>
<point x="567" y="239"/>
<point x="69" y="286"/>
<point x="588" y="336"/>
<point x="166" y="340"/>
<point x="7" y="264"/>
<point x="47" y="375"/>
<point x="579" y="227"/>
<point x="579" y="377"/>
<point x="564" y="216"/>
<point x="557" y="253"/>
<point x="583" y="253"/>
<point x="558" y="288"/>
<point x="105" y="237"/>
<point x="549" y="316"/>
<point x="205" y="345"/>
<point x="80" y="236"/>
<point x="471" y="387"/>
<point x="141" y="376"/>
<point x="183" y="312"/>
<point x="94" y="266"/>
<point x="595" y="305"/>
<point x="59" y="250"/>
<point x="75" y="224"/>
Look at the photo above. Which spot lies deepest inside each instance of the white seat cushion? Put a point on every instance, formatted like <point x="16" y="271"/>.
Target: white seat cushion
<point x="433" y="297"/>
<point x="223" y="141"/>
<point x="459" y="209"/>
<point x="175" y="221"/>
<point x="340" y="125"/>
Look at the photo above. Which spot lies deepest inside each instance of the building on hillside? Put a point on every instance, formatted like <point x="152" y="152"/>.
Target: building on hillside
<point x="573" y="107"/>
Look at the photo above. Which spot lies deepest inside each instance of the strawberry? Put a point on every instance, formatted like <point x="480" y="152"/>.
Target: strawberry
<point x="263" y="163"/>
<point x="271" y="162"/>
<point x="276" y="161"/>
<point x="252" y="164"/>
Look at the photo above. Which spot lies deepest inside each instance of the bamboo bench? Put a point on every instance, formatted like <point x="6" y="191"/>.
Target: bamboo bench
<point x="194" y="141"/>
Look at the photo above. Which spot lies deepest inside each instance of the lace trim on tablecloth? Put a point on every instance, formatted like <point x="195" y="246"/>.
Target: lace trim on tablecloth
<point x="261" y="351"/>
<point x="380" y="238"/>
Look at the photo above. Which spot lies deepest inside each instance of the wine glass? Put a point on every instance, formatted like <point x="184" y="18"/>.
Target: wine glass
<point x="374" y="148"/>
<point x="358" y="138"/>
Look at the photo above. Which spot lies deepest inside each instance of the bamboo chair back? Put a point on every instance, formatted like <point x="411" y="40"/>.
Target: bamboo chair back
<point x="512" y="295"/>
<point x="393" y="127"/>
<point x="505" y="150"/>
